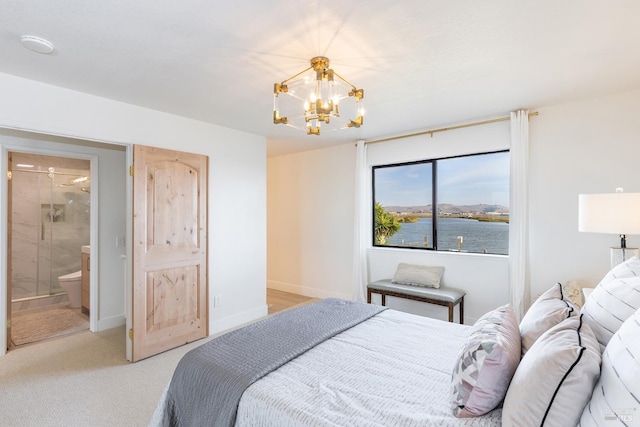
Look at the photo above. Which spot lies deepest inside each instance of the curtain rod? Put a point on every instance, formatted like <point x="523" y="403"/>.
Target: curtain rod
<point x="432" y="131"/>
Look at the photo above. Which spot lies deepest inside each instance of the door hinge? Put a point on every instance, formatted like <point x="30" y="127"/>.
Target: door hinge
<point x="131" y="334"/>
<point x="9" y="175"/>
<point x="131" y="170"/>
<point x="8" y="323"/>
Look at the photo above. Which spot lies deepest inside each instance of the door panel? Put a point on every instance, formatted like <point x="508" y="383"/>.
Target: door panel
<point x="172" y="285"/>
<point x="169" y="250"/>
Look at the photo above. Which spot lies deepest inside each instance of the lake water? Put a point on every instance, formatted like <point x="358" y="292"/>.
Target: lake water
<point x="477" y="236"/>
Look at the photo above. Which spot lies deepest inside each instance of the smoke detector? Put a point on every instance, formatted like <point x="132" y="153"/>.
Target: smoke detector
<point x="37" y="44"/>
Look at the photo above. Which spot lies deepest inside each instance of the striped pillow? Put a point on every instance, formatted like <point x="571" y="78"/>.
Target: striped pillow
<point x="555" y="378"/>
<point x="615" y="397"/>
<point x="614" y="300"/>
<point x="629" y="268"/>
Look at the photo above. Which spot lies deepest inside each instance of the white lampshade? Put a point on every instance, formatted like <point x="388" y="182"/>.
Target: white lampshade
<point x="615" y="213"/>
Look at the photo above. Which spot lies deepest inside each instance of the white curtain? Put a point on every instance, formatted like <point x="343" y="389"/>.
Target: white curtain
<point x="360" y="224"/>
<point x="518" y="215"/>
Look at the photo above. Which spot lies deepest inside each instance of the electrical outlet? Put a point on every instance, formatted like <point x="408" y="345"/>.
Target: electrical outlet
<point x="120" y="242"/>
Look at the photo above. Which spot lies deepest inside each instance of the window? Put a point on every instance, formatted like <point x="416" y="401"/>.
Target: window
<point x="471" y="199"/>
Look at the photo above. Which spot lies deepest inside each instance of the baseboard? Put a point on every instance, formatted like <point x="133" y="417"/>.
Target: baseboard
<point x="226" y="324"/>
<point x="110" y="322"/>
<point x="306" y="291"/>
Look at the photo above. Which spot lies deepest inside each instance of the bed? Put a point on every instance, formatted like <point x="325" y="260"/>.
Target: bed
<point x="393" y="369"/>
<point x="397" y="369"/>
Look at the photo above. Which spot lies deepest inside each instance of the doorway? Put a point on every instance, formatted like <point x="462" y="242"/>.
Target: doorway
<point x="49" y="246"/>
<point x="108" y="193"/>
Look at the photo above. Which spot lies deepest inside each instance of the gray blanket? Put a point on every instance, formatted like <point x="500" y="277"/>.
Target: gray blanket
<point x="209" y="380"/>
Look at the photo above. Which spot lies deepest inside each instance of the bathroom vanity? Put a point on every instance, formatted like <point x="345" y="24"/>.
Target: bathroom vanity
<point x="85" y="284"/>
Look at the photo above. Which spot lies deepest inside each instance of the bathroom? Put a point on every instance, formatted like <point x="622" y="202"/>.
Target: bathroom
<point x="49" y="234"/>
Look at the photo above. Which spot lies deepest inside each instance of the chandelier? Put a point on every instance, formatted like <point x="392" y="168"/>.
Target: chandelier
<point x="314" y="96"/>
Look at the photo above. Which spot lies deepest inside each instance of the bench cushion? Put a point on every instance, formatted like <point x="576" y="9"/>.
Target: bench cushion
<point x="445" y="294"/>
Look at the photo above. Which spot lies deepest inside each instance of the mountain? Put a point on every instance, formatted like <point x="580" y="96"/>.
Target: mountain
<point x="450" y="209"/>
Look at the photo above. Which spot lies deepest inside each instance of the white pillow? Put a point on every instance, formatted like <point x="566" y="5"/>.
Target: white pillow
<point x="614" y="300"/>
<point x="629" y="268"/>
<point x="573" y="293"/>
<point x="485" y="364"/>
<point x="615" y="397"/>
<point x="418" y="275"/>
<point x="555" y="378"/>
<point x="547" y="311"/>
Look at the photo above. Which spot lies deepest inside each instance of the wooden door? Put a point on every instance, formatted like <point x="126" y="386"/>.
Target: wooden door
<point x="169" y="250"/>
<point x="9" y="279"/>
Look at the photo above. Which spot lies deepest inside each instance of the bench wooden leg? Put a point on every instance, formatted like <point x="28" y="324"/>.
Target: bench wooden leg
<point x="449" y="305"/>
<point x="383" y="297"/>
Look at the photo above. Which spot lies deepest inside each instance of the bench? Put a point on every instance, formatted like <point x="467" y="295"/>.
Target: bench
<point x="444" y="296"/>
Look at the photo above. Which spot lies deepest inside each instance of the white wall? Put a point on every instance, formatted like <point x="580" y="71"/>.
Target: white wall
<point x="300" y="188"/>
<point x="310" y="212"/>
<point x="581" y="147"/>
<point x="237" y="255"/>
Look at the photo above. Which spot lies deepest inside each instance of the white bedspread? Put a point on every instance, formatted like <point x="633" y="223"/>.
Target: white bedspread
<point x="391" y="370"/>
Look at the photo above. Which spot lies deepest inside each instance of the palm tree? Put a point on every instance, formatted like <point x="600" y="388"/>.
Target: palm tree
<point x="385" y="225"/>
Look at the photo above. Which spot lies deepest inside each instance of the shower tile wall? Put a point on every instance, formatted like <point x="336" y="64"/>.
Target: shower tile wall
<point x="33" y="234"/>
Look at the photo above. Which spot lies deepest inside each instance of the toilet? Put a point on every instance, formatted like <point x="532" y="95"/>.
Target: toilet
<point x="71" y="284"/>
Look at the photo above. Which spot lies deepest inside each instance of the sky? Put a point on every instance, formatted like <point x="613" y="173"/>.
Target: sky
<point x="466" y="180"/>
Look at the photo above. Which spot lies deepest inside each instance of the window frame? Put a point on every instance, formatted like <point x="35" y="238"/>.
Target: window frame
<point x="434" y="198"/>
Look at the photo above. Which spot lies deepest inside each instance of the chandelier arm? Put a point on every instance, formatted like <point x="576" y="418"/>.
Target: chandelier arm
<point x="344" y="80"/>
<point x="293" y="95"/>
<point x="296" y="75"/>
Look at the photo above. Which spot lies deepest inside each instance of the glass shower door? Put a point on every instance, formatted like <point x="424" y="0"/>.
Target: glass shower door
<point x="50" y="221"/>
<point x="50" y="217"/>
<point x="26" y="233"/>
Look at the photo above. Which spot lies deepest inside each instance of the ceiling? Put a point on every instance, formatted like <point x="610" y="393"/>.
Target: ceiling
<point x="422" y="63"/>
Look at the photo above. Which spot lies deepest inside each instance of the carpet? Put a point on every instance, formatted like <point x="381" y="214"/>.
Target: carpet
<point x="83" y="379"/>
<point x="33" y="325"/>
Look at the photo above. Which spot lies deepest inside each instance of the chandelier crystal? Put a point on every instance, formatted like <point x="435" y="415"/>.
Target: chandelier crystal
<point x="313" y="98"/>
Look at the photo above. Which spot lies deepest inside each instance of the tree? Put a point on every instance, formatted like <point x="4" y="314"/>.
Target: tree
<point x="385" y="225"/>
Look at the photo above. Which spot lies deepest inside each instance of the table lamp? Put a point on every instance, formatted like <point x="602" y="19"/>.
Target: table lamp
<point x="615" y="213"/>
